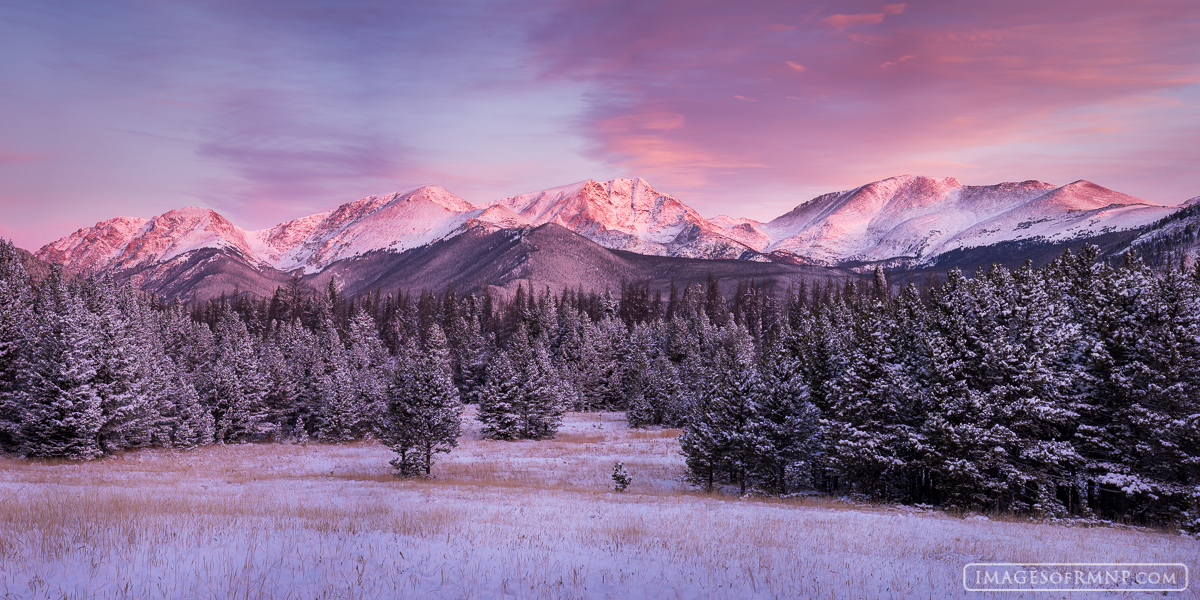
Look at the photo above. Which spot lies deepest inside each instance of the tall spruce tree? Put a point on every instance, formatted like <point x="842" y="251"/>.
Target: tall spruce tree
<point x="62" y="410"/>
<point x="424" y="411"/>
<point x="232" y="387"/>
<point x="16" y="296"/>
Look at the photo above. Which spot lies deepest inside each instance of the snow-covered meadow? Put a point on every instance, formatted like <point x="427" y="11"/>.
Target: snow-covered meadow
<point x="501" y="520"/>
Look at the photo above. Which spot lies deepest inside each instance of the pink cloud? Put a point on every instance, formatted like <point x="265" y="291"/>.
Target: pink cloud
<point x="990" y="81"/>
<point x="844" y="21"/>
<point x="840" y="21"/>
<point x="892" y="63"/>
<point x="7" y="156"/>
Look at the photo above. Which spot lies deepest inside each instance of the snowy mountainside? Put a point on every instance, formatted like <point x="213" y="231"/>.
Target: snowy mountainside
<point x="1172" y="239"/>
<point x="91" y="249"/>
<point x="746" y="231"/>
<point x="629" y="214"/>
<point x="178" y="232"/>
<point x="394" y="222"/>
<point x="547" y="255"/>
<point x="902" y="221"/>
<point x="918" y="218"/>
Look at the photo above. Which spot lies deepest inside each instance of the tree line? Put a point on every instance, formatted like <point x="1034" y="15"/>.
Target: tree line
<point x="1069" y="389"/>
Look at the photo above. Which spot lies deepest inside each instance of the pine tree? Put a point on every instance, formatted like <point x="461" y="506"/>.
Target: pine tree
<point x="126" y="371"/>
<point x="621" y="478"/>
<point x="367" y="367"/>
<point x="502" y="395"/>
<point x="868" y="426"/>
<point x="701" y="444"/>
<point x="339" y="411"/>
<point x="472" y="361"/>
<point x="721" y="441"/>
<point x="424" y="411"/>
<point x="62" y="412"/>
<point x="787" y="421"/>
<point x="526" y="402"/>
<point x="543" y="401"/>
<point x="15" y="316"/>
<point x="665" y="393"/>
<point x="232" y="388"/>
<point x="192" y="424"/>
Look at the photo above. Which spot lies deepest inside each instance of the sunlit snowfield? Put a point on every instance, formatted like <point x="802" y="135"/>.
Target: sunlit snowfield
<point x="502" y="520"/>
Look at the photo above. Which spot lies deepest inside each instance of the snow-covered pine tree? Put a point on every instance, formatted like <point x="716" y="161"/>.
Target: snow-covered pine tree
<point x="232" y="387"/>
<point x="721" y="442"/>
<point x="787" y="421"/>
<point x="16" y="296"/>
<point x="621" y="478"/>
<point x="192" y="425"/>
<point x="170" y="398"/>
<point x="636" y="351"/>
<point x="501" y="397"/>
<point x="1159" y="377"/>
<point x="280" y="400"/>
<point x="596" y="367"/>
<point x="964" y="454"/>
<point x="702" y="444"/>
<point x="528" y="403"/>
<point x="868" y="425"/>
<point x="1050" y="344"/>
<point x="367" y="365"/>
<point x="126" y="373"/>
<point x="472" y="361"/>
<point x="666" y="393"/>
<point x="424" y="411"/>
<point x="339" y="411"/>
<point x="62" y="413"/>
<point x="641" y="411"/>
<point x="543" y="404"/>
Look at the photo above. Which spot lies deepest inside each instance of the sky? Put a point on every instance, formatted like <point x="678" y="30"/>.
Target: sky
<point x="275" y="109"/>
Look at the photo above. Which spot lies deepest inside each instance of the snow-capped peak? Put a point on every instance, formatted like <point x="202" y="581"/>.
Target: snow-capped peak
<point x="910" y="217"/>
<point x="917" y="217"/>
<point x="178" y="232"/>
<point x="627" y="214"/>
<point x="89" y="249"/>
<point x="394" y="222"/>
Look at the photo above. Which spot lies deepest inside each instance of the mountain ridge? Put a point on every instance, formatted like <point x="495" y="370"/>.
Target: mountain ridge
<point x="900" y="221"/>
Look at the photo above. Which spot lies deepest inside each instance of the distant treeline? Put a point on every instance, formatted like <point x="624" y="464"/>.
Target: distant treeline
<point x="1070" y="389"/>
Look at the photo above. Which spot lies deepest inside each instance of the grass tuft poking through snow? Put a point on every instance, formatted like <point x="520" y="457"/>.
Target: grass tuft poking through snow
<point x="500" y="520"/>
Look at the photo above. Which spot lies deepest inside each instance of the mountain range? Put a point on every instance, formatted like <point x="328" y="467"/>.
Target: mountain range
<point x="598" y="234"/>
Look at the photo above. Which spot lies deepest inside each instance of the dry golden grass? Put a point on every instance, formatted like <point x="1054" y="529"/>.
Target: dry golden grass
<point x="501" y="519"/>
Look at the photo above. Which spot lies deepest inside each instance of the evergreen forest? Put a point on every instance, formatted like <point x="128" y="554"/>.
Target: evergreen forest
<point x="1067" y="390"/>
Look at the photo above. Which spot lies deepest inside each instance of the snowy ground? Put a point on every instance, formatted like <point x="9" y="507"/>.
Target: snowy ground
<point x="502" y="520"/>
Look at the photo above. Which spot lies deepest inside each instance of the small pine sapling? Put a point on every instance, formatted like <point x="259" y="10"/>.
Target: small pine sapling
<point x="621" y="478"/>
